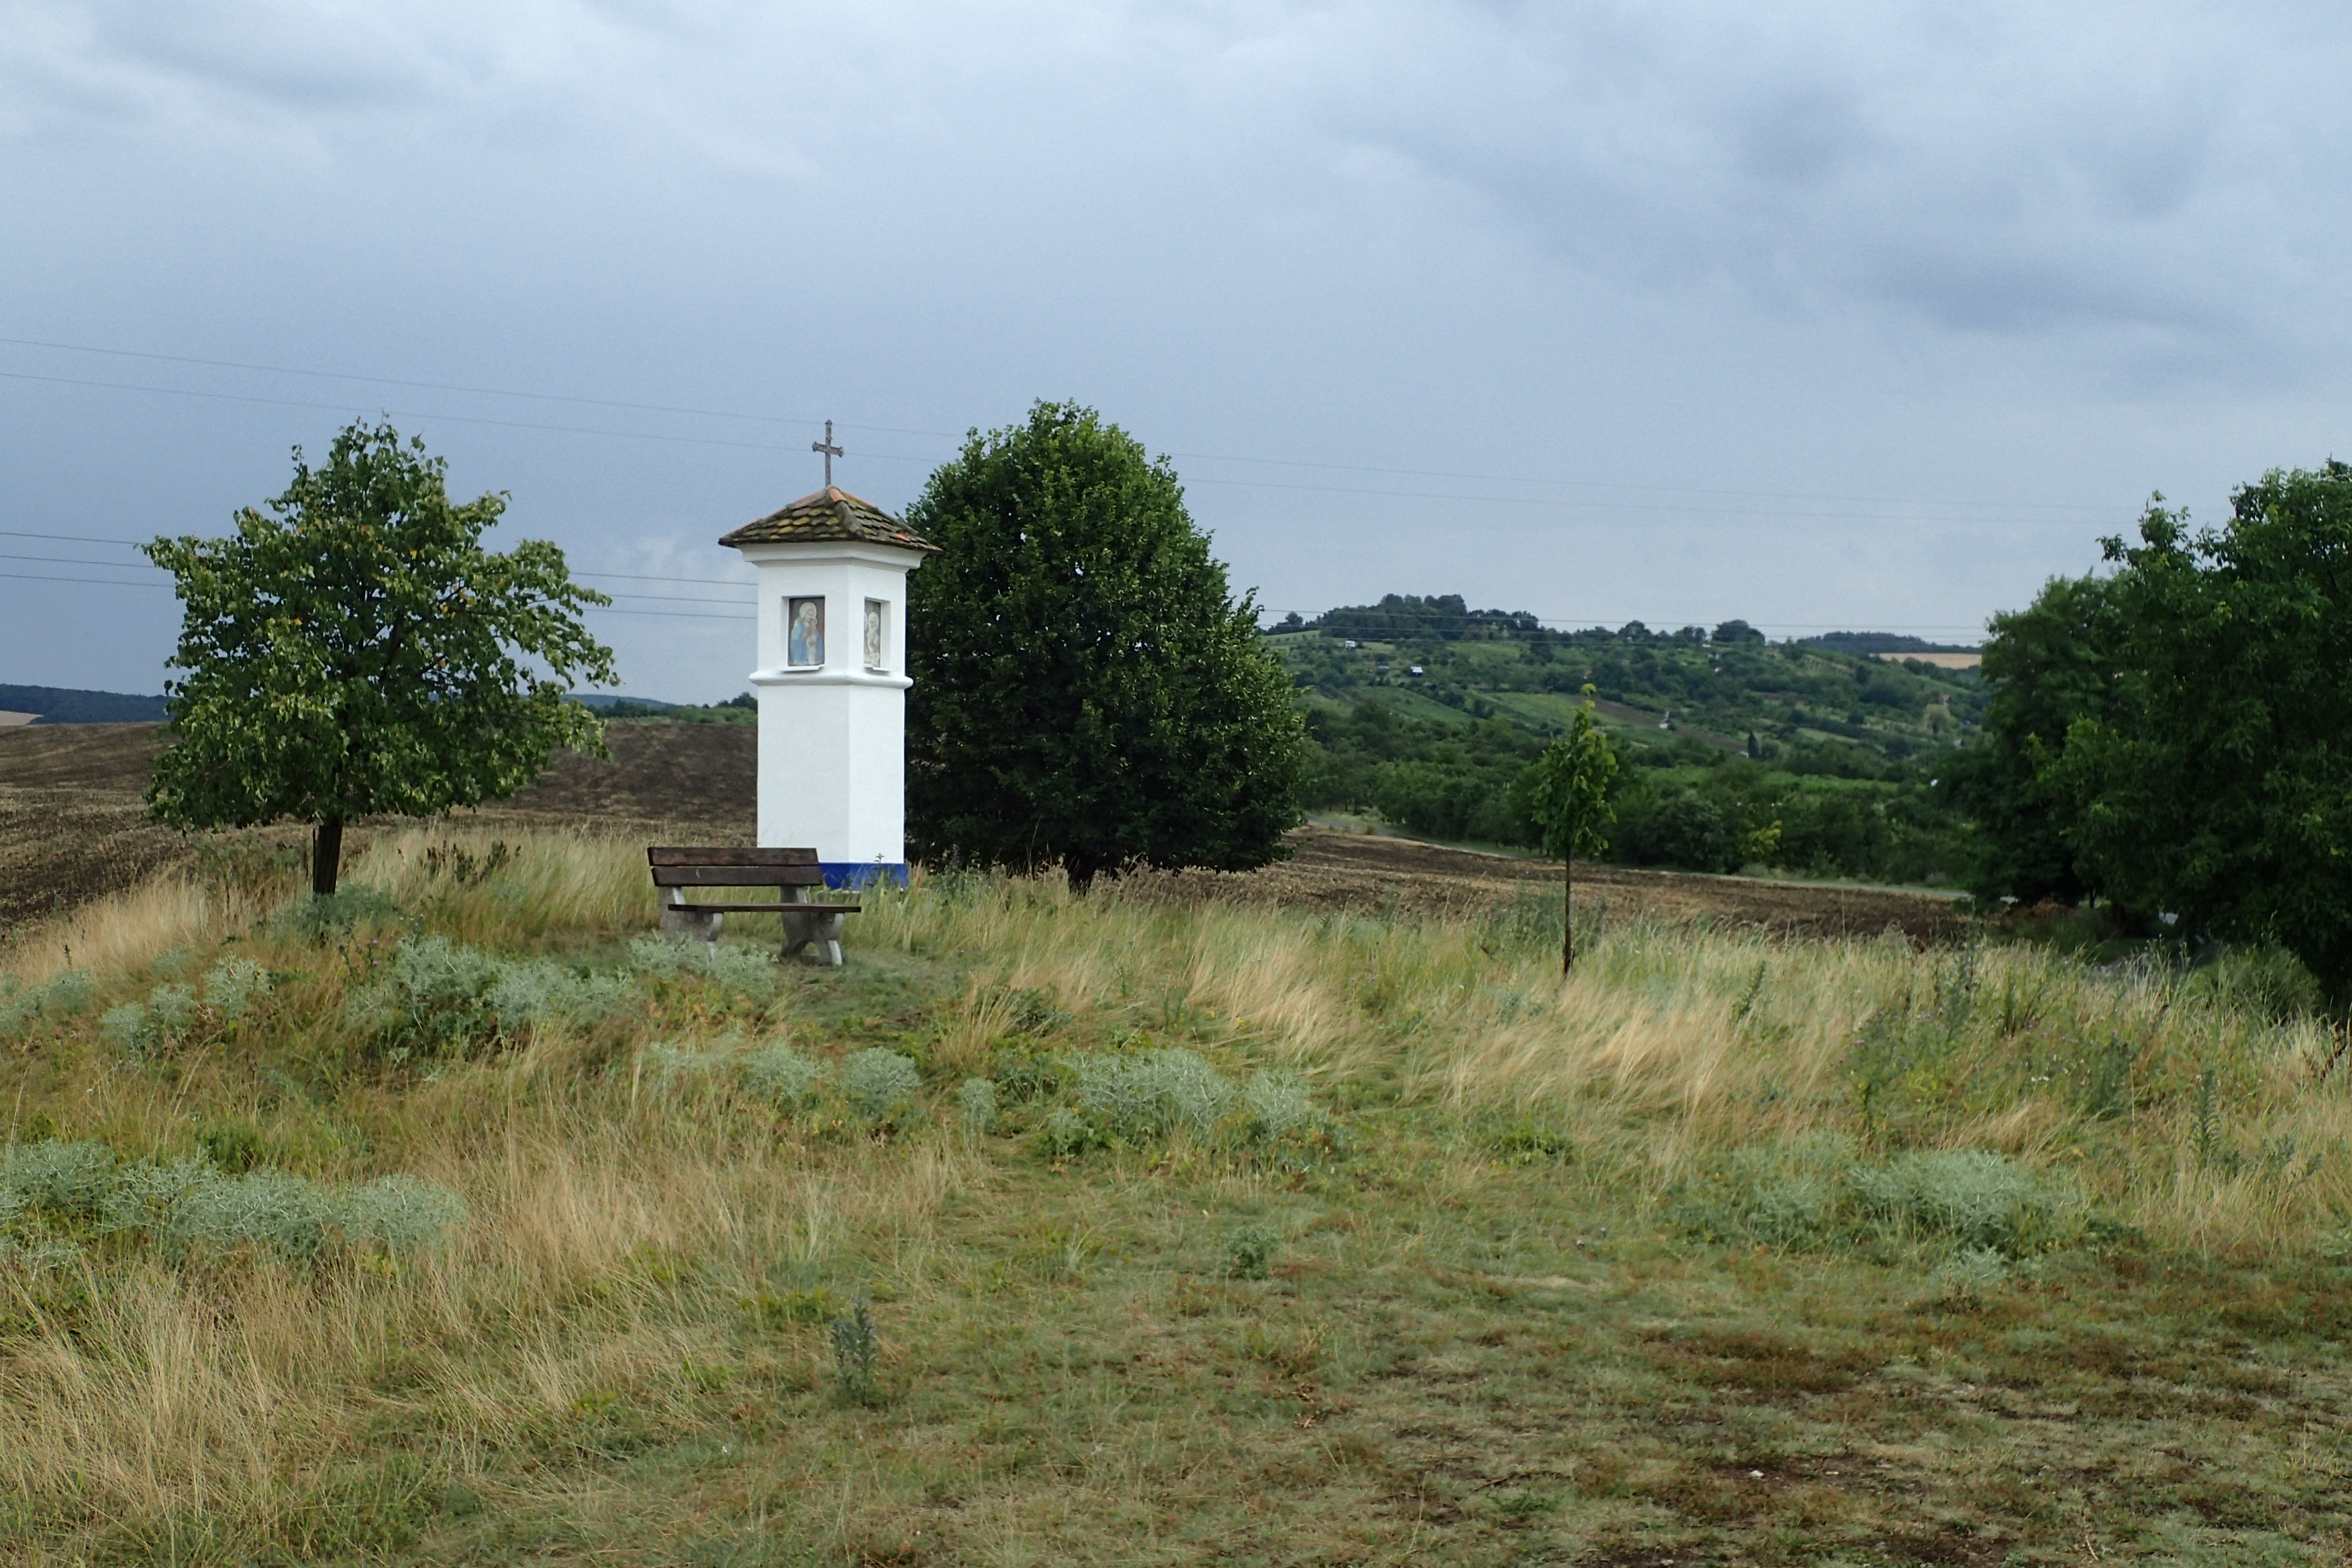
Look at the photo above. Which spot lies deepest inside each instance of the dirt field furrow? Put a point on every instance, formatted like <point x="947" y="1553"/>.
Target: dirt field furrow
<point x="71" y="827"/>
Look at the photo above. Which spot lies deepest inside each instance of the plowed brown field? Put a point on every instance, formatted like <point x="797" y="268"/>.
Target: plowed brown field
<point x="71" y="828"/>
<point x="72" y="825"/>
<point x="1350" y="870"/>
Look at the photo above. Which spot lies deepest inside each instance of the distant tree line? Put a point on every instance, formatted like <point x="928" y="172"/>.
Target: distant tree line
<point x="64" y="705"/>
<point x="1880" y="643"/>
<point x="1679" y="804"/>
<point x="1447" y="617"/>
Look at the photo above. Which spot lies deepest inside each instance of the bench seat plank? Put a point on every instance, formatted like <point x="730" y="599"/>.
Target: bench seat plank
<point x="739" y="875"/>
<point x="679" y="854"/>
<point x="770" y="908"/>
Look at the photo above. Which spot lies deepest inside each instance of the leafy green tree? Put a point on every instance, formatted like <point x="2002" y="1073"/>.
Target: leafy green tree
<point x="2214" y="780"/>
<point x="358" y="652"/>
<point x="1674" y="825"/>
<point x="1086" y="692"/>
<point x="1566" y="792"/>
<point x="2045" y="667"/>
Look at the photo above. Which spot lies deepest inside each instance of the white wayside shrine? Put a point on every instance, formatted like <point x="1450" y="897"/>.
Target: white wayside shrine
<point x="833" y="680"/>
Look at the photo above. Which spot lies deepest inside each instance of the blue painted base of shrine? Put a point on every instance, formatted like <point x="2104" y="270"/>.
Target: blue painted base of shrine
<point x="862" y="873"/>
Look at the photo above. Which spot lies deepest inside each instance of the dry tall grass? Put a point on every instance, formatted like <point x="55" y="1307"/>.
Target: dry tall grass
<point x="613" y="1229"/>
<point x="610" y="1240"/>
<point x="1673" y="1044"/>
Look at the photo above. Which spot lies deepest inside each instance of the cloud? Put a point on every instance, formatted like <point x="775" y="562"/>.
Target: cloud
<point x="2053" y="250"/>
<point x="2011" y="169"/>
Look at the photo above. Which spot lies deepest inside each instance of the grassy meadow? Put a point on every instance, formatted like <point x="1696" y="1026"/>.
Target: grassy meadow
<point x="465" y="1222"/>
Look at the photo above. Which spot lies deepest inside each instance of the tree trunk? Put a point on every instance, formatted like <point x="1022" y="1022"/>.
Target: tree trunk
<point x="1567" y="915"/>
<point x="326" y="855"/>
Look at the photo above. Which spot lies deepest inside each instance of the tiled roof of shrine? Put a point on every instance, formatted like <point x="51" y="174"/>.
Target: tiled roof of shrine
<point x="830" y="514"/>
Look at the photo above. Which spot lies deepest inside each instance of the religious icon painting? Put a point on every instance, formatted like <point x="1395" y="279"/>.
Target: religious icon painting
<point x="805" y="633"/>
<point x="876" y="632"/>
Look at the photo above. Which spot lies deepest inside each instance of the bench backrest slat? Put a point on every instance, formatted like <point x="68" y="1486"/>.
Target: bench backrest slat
<point x="673" y="855"/>
<point x="738" y="877"/>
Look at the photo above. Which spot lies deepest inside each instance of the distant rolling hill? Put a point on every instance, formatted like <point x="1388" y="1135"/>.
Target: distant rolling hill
<point x="65" y="705"/>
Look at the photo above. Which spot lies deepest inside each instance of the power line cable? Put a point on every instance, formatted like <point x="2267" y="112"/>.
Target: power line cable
<point x="426" y="414"/>
<point x="672" y="615"/>
<point x="1572" y="622"/>
<point x="1624" y="485"/>
<point x="101" y="581"/>
<point x="431" y="385"/>
<point x="589" y="609"/>
<point x="141" y="566"/>
<point x="72" y="538"/>
<point x="77" y="561"/>
<point x="639" y="577"/>
<point x="948" y="434"/>
<point x="1455" y="498"/>
<point x="1470" y="618"/>
<point x="1677" y="508"/>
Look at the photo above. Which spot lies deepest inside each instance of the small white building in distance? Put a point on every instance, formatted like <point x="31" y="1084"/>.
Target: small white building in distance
<point x="832" y="680"/>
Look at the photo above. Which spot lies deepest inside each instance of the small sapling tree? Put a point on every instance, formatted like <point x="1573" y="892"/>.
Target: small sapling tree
<point x="1565" y="792"/>
<point x="358" y="652"/>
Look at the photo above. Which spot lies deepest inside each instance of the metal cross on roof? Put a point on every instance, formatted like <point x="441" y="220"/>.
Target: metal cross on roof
<point x="830" y="451"/>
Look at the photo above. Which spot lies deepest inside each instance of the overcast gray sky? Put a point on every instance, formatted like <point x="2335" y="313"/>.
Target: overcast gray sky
<point x="1823" y="316"/>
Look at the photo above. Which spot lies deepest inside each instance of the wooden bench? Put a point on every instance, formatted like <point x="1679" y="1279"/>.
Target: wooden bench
<point x="791" y="872"/>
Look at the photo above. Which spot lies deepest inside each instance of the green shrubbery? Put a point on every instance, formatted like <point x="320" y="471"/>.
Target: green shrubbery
<point x="1140" y="1097"/>
<point x="1820" y="1192"/>
<point x="775" y="1072"/>
<point x="2267" y="983"/>
<point x="1730" y="813"/>
<point x="781" y="1074"/>
<point x="435" y="997"/>
<point x="1676" y="827"/>
<point x="879" y="1083"/>
<point x="61" y="996"/>
<point x="55" y="1197"/>
<point x="1145" y="1097"/>
<point x="322" y="916"/>
<point x="1024" y="1077"/>
<point x="1250" y="1251"/>
<point x="976" y="1097"/>
<point x="1073" y="1103"/>
<point x="174" y="1012"/>
<point x="750" y="971"/>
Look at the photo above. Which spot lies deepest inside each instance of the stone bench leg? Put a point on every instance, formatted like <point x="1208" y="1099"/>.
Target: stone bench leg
<point x="680" y="923"/>
<point x="821" y="933"/>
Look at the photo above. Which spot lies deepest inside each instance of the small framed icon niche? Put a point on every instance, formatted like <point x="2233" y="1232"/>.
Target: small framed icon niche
<point x="805" y="632"/>
<point x="878" y="635"/>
